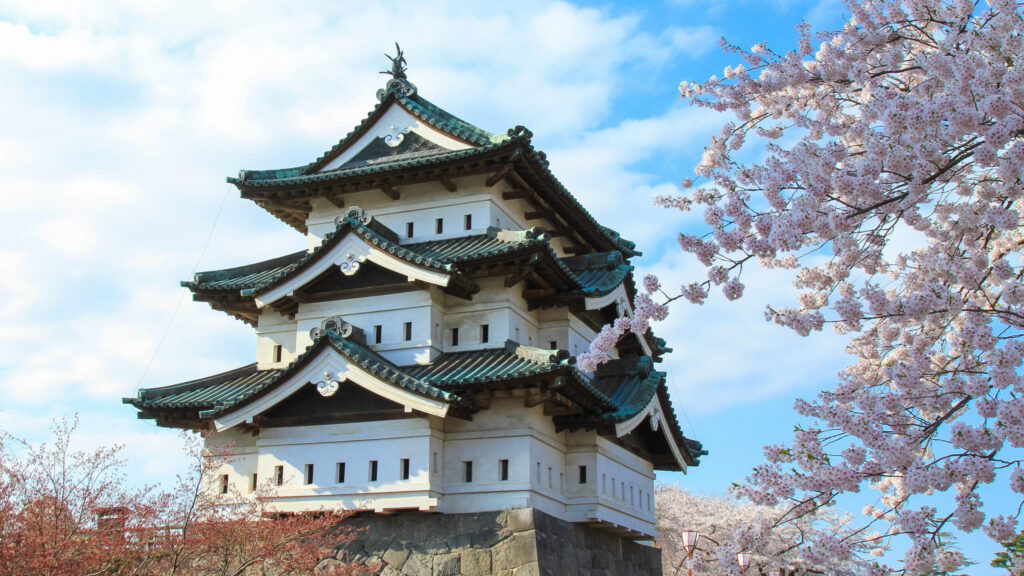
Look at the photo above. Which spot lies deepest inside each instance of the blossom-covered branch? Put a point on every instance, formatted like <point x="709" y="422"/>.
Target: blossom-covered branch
<point x="896" y="144"/>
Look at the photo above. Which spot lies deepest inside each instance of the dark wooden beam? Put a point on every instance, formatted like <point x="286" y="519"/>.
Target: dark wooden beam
<point x="557" y="232"/>
<point x="386" y="187"/>
<point x="540" y="215"/>
<point x="519" y="276"/>
<point x="516" y="195"/>
<point x="336" y="199"/>
<point x="446" y="181"/>
<point x="538" y="293"/>
<point x="497" y="176"/>
<point x="577" y="249"/>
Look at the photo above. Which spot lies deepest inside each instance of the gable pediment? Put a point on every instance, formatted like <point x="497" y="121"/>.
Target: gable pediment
<point x="351" y="403"/>
<point x="396" y="133"/>
<point x="347" y="254"/>
<point x="326" y="363"/>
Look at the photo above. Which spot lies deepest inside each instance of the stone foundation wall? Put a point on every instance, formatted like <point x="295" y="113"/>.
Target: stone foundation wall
<point x="522" y="542"/>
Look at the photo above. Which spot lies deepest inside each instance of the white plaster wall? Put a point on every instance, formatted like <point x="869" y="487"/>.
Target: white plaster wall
<point x="422" y="204"/>
<point x="272" y="329"/>
<point x="391" y="312"/>
<point x="503" y="310"/>
<point x="543" y="466"/>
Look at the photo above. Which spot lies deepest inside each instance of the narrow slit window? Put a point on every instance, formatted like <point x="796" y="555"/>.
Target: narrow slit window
<point x="583" y="474"/>
<point x="224" y="484"/>
<point x="279" y="475"/>
<point x="340" y="472"/>
<point x="550" y="478"/>
<point x="648" y="501"/>
<point x="604" y="484"/>
<point x="373" y="471"/>
<point x="632" y="500"/>
<point x="277" y="352"/>
<point x="439" y="226"/>
<point x="309" y="473"/>
<point x="503" y="469"/>
<point x="253" y="482"/>
<point x="405" y="468"/>
<point x="468" y="221"/>
<point x="538" y="473"/>
<point x="485" y="333"/>
<point x="408" y="331"/>
<point x="436" y="468"/>
<point x="408" y="229"/>
<point x="467" y="469"/>
<point x="378" y="333"/>
<point x="455" y="336"/>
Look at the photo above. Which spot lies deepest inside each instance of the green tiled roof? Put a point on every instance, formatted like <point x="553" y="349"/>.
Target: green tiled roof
<point x="593" y="274"/>
<point x="421" y="108"/>
<point x="207" y="392"/>
<point x="298" y="176"/>
<point x="216" y="394"/>
<point x="255" y="277"/>
<point x="632" y="383"/>
<point x="516" y="140"/>
<point x="416" y="105"/>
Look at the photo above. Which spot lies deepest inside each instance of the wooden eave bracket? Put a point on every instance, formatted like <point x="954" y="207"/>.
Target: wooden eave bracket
<point x="445" y="179"/>
<point x="524" y="272"/>
<point x="386" y="187"/>
<point x="497" y="176"/>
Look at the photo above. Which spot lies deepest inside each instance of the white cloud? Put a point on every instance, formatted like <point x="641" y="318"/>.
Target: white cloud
<point x="21" y="46"/>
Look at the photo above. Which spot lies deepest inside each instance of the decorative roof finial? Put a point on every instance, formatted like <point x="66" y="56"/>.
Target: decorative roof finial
<point x="399" y="83"/>
<point x="398" y="64"/>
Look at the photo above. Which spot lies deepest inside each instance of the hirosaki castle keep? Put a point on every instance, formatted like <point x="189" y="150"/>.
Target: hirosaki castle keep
<point x="420" y="354"/>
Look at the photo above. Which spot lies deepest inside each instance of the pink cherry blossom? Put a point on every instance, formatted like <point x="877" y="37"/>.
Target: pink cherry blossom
<point x="895" y="147"/>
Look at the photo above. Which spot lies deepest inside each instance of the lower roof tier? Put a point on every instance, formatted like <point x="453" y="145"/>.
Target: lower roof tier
<point x="620" y="396"/>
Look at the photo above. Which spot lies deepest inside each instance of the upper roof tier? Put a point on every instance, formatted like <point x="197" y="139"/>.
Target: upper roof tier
<point x="452" y="263"/>
<point x="407" y="140"/>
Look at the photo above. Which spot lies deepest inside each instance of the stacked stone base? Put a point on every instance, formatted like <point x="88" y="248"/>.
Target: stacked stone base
<point x="522" y="542"/>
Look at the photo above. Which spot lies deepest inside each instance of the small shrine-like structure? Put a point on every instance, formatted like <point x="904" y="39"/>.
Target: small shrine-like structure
<point x="420" y="354"/>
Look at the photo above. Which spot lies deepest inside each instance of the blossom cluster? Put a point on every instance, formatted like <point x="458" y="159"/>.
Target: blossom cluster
<point x="903" y="160"/>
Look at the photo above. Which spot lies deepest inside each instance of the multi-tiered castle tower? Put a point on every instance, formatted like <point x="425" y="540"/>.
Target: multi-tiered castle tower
<point x="420" y="354"/>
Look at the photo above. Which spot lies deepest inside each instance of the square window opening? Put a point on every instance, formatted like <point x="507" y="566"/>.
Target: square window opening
<point x="553" y="345"/>
<point x="224" y="484"/>
<point x="277" y="352"/>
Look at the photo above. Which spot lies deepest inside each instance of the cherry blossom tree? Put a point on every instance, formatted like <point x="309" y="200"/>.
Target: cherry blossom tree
<point x="882" y="163"/>
<point x="724" y="522"/>
<point x="53" y="499"/>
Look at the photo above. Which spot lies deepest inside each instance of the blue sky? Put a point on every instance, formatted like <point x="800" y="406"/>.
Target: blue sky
<point x="120" y="120"/>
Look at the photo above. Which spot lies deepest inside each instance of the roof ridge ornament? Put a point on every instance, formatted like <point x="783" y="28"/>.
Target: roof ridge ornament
<point x="399" y="83"/>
